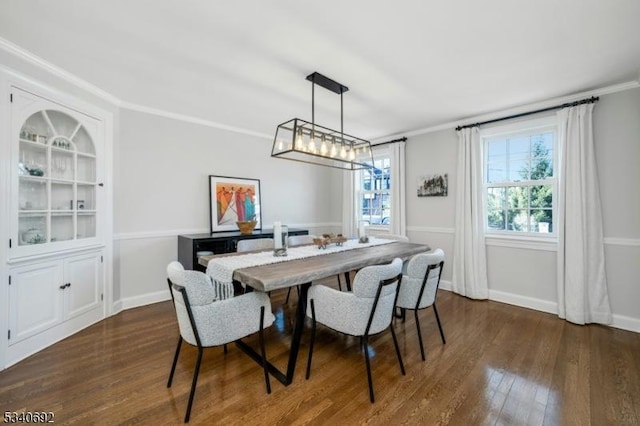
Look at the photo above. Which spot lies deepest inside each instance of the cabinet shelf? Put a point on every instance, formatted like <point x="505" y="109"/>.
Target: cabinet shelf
<point x="62" y="203"/>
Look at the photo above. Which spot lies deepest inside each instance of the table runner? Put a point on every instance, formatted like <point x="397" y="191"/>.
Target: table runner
<point x="221" y="269"/>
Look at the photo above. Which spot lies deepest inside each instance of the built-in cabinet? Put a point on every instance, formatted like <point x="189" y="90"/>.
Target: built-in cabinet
<point x="56" y="211"/>
<point x="44" y="295"/>
<point x="55" y="170"/>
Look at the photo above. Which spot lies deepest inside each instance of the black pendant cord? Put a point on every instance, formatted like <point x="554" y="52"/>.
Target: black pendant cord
<point x="341" y="119"/>
<point x="590" y="100"/>
<point x="313" y="107"/>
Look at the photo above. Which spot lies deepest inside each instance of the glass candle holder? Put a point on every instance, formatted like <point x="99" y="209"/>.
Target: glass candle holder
<point x="280" y="239"/>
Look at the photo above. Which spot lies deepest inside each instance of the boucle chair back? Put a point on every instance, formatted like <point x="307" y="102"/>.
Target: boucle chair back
<point x="366" y="284"/>
<point x="297" y="240"/>
<point x="395" y="237"/>
<point x="254" y="244"/>
<point x="414" y="276"/>
<point x="197" y="295"/>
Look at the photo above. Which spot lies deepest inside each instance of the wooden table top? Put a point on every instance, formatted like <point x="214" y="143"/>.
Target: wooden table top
<point x="301" y="271"/>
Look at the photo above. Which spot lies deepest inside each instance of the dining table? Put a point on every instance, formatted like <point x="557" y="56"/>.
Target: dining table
<point x="302" y="272"/>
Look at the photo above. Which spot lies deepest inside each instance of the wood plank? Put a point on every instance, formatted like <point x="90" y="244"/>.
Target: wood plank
<point x="300" y="271"/>
<point x="501" y="364"/>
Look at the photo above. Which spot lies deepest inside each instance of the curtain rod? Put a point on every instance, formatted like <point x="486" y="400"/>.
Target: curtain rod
<point x="402" y="139"/>
<point x="590" y="100"/>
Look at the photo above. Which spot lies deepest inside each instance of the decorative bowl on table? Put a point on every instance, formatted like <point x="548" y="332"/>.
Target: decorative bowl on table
<point x="246" y="227"/>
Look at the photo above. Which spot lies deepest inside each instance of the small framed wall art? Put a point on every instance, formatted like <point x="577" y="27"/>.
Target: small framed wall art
<point x="232" y="200"/>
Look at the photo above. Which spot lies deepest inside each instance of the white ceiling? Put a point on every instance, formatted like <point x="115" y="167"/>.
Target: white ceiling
<point x="409" y="64"/>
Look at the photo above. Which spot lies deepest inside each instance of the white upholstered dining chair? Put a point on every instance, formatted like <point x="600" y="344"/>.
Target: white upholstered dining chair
<point x="366" y="311"/>
<point x="205" y="322"/>
<point x="254" y="244"/>
<point x="420" y="281"/>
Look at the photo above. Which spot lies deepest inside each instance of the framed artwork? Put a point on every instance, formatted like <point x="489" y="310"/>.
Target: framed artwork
<point x="233" y="199"/>
<point x="433" y="185"/>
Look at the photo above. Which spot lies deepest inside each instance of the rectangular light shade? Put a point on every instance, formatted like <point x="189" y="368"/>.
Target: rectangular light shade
<point x="300" y="140"/>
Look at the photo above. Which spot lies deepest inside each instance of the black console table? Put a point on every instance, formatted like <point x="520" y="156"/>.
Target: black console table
<point x="218" y="242"/>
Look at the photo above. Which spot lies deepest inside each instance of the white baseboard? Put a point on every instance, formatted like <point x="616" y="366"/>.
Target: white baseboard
<point x="116" y="308"/>
<point x="145" y="299"/>
<point x="524" y="301"/>
<point x="626" y="323"/>
<point x="619" y="321"/>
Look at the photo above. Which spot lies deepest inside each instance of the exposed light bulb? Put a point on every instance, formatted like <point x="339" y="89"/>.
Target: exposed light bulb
<point x="280" y="145"/>
<point x="334" y="150"/>
<point x="352" y="155"/>
<point x="343" y="152"/>
<point x="312" y="143"/>
<point x="298" y="144"/>
<point x="323" y="147"/>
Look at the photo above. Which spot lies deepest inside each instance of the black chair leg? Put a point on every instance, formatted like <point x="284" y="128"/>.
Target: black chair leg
<point x="193" y="386"/>
<point x="175" y="361"/>
<point x="395" y="343"/>
<point x="225" y="348"/>
<point x="286" y="301"/>
<point x="339" y="283"/>
<point x="439" y="325"/>
<point x="313" y="338"/>
<point x="419" y="334"/>
<point x="368" y="363"/>
<point x="263" y="350"/>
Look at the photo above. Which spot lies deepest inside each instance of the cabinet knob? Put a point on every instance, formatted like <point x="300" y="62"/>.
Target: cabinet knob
<point x="67" y="285"/>
<point x="63" y="286"/>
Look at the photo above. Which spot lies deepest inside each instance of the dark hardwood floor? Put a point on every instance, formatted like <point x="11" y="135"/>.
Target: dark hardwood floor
<point x="501" y="365"/>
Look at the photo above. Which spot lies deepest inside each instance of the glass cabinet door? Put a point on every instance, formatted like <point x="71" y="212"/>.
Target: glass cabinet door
<point x="56" y="179"/>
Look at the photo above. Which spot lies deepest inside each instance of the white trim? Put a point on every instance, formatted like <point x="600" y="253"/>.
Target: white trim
<point x="116" y="307"/>
<point x="619" y="321"/>
<point x="431" y="229"/>
<point x="191" y="119"/>
<point x="158" y="234"/>
<point x="55" y="254"/>
<point x="632" y="242"/>
<point x="144" y="299"/>
<point x="47" y="66"/>
<point x="626" y="323"/>
<point x="524" y="301"/>
<point x="634" y="84"/>
<point x="519" y="243"/>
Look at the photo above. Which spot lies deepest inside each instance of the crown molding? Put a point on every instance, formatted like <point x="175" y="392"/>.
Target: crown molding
<point x="634" y="84"/>
<point x="191" y="119"/>
<point x="47" y="66"/>
<point x="25" y="55"/>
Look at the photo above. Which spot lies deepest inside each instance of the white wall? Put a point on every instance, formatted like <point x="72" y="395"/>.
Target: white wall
<point x="527" y="277"/>
<point x="162" y="167"/>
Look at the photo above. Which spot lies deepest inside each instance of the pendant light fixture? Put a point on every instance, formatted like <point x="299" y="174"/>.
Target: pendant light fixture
<point x="308" y="142"/>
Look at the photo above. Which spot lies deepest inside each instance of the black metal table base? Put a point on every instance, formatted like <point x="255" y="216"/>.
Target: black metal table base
<point x="285" y="378"/>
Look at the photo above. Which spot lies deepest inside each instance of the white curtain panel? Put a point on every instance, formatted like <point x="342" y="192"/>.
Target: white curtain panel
<point x="469" y="254"/>
<point x="398" y="225"/>
<point x="582" y="283"/>
<point x="349" y="206"/>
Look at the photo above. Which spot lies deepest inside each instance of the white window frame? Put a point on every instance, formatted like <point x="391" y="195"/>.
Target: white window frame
<point x="526" y="127"/>
<point x="361" y="192"/>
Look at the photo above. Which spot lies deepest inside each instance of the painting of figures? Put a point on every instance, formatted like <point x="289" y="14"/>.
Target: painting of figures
<point x="232" y="200"/>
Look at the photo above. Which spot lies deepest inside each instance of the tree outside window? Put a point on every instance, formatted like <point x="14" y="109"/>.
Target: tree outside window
<point x="520" y="182"/>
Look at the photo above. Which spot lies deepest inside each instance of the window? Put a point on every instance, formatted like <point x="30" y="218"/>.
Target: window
<point x="375" y="192"/>
<point x="519" y="179"/>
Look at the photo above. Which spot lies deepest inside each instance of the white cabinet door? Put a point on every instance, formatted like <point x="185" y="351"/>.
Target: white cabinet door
<point x="82" y="276"/>
<point x="35" y="299"/>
